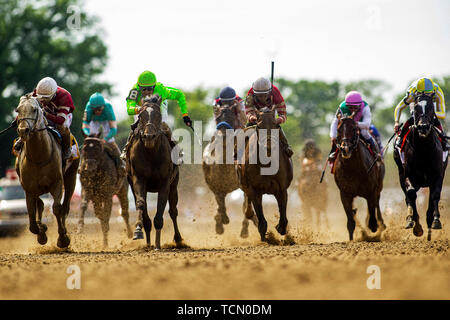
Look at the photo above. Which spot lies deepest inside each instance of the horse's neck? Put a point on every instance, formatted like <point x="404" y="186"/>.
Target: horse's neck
<point x="38" y="147"/>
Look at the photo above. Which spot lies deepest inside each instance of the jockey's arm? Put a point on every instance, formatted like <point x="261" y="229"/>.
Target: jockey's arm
<point x="333" y="128"/>
<point x="440" y="104"/>
<point x="250" y="110"/>
<point x="366" y="119"/>
<point x="112" y="129"/>
<point x="132" y="102"/>
<point x="402" y="105"/>
<point x="173" y="94"/>
<point x="85" y="127"/>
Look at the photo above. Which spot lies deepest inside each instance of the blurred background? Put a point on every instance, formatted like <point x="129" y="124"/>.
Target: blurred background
<point x="321" y="49"/>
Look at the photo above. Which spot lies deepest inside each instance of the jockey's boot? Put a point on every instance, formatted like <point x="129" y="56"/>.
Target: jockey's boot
<point x="285" y="143"/>
<point x="133" y="126"/>
<point x="18" y="145"/>
<point x="65" y="142"/>
<point x="374" y="146"/>
<point x="445" y="144"/>
<point x="399" y="140"/>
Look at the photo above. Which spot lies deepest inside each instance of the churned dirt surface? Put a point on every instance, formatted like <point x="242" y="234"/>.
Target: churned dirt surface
<point x="320" y="265"/>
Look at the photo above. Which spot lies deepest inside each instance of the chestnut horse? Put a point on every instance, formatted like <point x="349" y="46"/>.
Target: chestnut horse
<point x="40" y="168"/>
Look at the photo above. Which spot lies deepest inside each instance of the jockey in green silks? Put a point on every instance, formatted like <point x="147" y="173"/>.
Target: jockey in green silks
<point x="146" y="86"/>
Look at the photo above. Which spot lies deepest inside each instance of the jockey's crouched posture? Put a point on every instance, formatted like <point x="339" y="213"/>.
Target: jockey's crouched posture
<point x="98" y="114"/>
<point x="228" y="96"/>
<point x="264" y="94"/>
<point x="428" y="87"/>
<point x="354" y="103"/>
<point x="146" y="86"/>
<point x="58" y="107"/>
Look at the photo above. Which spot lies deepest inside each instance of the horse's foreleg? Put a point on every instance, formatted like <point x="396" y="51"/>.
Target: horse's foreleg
<point x="221" y="216"/>
<point x="140" y="197"/>
<point x="83" y="207"/>
<point x="282" y="204"/>
<point x="106" y="215"/>
<point x="173" y="211"/>
<point x="412" y="219"/>
<point x="248" y="215"/>
<point x="256" y="200"/>
<point x="347" y="202"/>
<point x="371" y="217"/>
<point x="123" y="199"/>
<point x="163" y="196"/>
<point x="31" y="208"/>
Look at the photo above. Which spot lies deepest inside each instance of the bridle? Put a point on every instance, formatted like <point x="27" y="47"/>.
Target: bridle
<point x="35" y="120"/>
<point x="352" y="142"/>
<point x="148" y="124"/>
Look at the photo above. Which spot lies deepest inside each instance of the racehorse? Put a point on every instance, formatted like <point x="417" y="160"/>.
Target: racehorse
<point x="150" y="169"/>
<point x="422" y="166"/>
<point x="353" y="177"/>
<point x="40" y="168"/>
<point x="222" y="178"/>
<point x="251" y="176"/>
<point x="314" y="195"/>
<point x="100" y="182"/>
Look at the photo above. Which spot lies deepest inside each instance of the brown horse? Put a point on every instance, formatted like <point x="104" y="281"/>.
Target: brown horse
<point x="151" y="169"/>
<point x="258" y="176"/>
<point x="353" y="177"/>
<point x="100" y="182"/>
<point x="40" y="168"/>
<point x="314" y="195"/>
<point x="221" y="177"/>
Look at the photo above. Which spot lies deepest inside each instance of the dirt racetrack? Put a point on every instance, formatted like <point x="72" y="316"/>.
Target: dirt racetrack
<point x="320" y="265"/>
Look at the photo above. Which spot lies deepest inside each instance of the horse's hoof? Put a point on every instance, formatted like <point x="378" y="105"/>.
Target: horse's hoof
<point x="409" y="223"/>
<point x="129" y="234"/>
<point x="436" y="224"/>
<point x="418" y="231"/>
<point x="34" y="229"/>
<point x="80" y="228"/>
<point x="244" y="233"/>
<point x="138" y="234"/>
<point x="42" y="238"/>
<point x="281" y="230"/>
<point x="63" y="241"/>
<point x="429" y="235"/>
<point x="219" y="228"/>
<point x="225" y="219"/>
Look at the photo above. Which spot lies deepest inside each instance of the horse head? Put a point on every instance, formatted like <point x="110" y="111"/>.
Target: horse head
<point x="150" y="121"/>
<point x="91" y="153"/>
<point x="347" y="135"/>
<point x="227" y="117"/>
<point x="266" y="119"/>
<point x="423" y="114"/>
<point x="30" y="117"/>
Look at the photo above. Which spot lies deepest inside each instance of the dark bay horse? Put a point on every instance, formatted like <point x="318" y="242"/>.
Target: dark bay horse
<point x="221" y="178"/>
<point x="256" y="180"/>
<point x="352" y="177"/>
<point x="151" y="169"/>
<point x="40" y="168"/>
<point x="100" y="181"/>
<point x="423" y="165"/>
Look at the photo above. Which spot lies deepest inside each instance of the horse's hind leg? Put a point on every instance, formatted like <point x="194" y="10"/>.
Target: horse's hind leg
<point x="282" y="204"/>
<point x="347" y="202"/>
<point x="249" y="214"/>
<point x="221" y="216"/>
<point x="173" y="211"/>
<point x="433" y="214"/>
<point x="123" y="199"/>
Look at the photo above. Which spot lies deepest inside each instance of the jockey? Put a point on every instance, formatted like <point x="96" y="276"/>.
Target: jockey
<point x="264" y="94"/>
<point x="98" y="114"/>
<point x="228" y="96"/>
<point x="58" y="107"/>
<point x="428" y="87"/>
<point x="146" y="86"/>
<point x="376" y="134"/>
<point x="354" y="104"/>
<point x="311" y="151"/>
